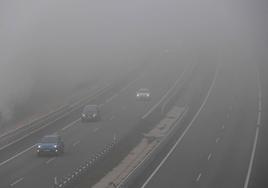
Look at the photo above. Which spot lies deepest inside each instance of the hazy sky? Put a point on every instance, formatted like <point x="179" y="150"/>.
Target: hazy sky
<point x="61" y="43"/>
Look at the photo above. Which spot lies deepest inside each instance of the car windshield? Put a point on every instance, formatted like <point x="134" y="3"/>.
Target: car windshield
<point x="49" y="139"/>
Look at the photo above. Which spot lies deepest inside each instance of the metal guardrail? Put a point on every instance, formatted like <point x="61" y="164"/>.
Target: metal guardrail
<point x="149" y="158"/>
<point x="161" y="108"/>
<point x="69" y="180"/>
<point x="76" y="175"/>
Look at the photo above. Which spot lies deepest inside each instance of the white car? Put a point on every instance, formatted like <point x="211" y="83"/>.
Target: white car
<point x="143" y="94"/>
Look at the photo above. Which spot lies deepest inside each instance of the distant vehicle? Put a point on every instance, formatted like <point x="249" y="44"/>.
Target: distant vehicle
<point x="143" y="94"/>
<point x="91" y="113"/>
<point x="50" y="144"/>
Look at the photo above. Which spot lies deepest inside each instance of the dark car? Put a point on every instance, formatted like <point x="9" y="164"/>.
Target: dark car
<point x="50" y="144"/>
<point x="91" y="113"/>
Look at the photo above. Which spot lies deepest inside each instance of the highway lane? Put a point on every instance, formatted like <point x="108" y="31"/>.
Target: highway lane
<point x="120" y="112"/>
<point x="217" y="148"/>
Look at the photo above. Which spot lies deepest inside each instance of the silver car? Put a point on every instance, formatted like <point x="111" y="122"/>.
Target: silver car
<point x="143" y="94"/>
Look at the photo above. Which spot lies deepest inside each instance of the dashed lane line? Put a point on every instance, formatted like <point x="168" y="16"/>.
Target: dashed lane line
<point x="209" y="156"/>
<point x="15" y="156"/>
<point x="16" y="182"/>
<point x="183" y="133"/>
<point x="71" y="124"/>
<point x="198" y="177"/>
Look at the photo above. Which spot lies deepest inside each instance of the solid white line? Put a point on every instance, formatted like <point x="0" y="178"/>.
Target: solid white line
<point x="198" y="177"/>
<point x="178" y="120"/>
<point x="31" y="121"/>
<point x="18" y="154"/>
<point x="209" y="156"/>
<point x="183" y="134"/>
<point x="50" y="160"/>
<point x="259" y="118"/>
<point x="77" y="142"/>
<point x="252" y="158"/>
<point x="70" y="124"/>
<point x="16" y="182"/>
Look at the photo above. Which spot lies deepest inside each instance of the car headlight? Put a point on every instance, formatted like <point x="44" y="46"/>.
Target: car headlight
<point x="94" y="115"/>
<point x="138" y="95"/>
<point x="83" y="115"/>
<point x="55" y="146"/>
<point x="38" y="146"/>
<point x="148" y="95"/>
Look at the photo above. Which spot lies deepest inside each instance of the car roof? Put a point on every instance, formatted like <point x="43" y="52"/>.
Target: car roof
<point x="52" y="137"/>
<point x="90" y="107"/>
<point x="143" y="89"/>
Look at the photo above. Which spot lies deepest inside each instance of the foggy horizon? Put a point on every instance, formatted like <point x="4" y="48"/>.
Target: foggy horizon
<point x="54" y="45"/>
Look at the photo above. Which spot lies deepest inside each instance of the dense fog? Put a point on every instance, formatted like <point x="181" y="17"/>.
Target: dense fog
<point x="50" y="46"/>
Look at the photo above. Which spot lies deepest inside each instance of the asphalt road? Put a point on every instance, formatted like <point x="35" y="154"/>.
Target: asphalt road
<point x="218" y="147"/>
<point x="19" y="165"/>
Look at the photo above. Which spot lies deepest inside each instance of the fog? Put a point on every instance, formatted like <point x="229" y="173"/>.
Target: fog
<point x="49" y="47"/>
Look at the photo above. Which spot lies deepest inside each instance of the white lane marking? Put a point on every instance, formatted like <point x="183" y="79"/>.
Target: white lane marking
<point x="75" y="143"/>
<point x="184" y="132"/>
<point x="223" y="127"/>
<point x="50" y="160"/>
<point x="96" y="129"/>
<point x="163" y="97"/>
<point x="55" y="180"/>
<point x="149" y="154"/>
<point x="29" y="122"/>
<point x="111" y="98"/>
<point x="259" y="118"/>
<point x="18" y="154"/>
<point x="209" y="156"/>
<point x="70" y="124"/>
<point x="16" y="182"/>
<point x="198" y="177"/>
<point x="218" y="139"/>
<point x="252" y="157"/>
